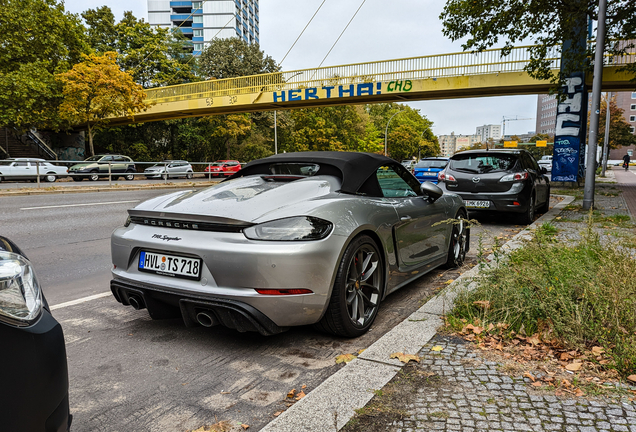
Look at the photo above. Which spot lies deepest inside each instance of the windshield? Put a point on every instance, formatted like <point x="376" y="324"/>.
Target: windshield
<point x="434" y="163"/>
<point x="483" y="162"/>
<point x="6" y="162"/>
<point x="93" y="159"/>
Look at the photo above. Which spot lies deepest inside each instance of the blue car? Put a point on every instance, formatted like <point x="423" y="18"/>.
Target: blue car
<point x="429" y="168"/>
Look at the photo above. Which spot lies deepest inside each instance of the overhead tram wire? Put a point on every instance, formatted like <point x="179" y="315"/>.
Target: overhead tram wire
<point x="345" y="29"/>
<point x="301" y="33"/>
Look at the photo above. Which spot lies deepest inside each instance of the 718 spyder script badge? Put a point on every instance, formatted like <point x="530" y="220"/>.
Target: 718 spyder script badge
<point x="165" y="237"/>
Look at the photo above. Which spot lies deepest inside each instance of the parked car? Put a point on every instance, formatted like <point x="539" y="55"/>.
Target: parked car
<point x="175" y="168"/>
<point x="408" y="164"/>
<point x="500" y="180"/>
<point x="293" y="239"/>
<point x="223" y="168"/>
<point x="546" y="162"/>
<point x="27" y="169"/>
<point x="429" y="168"/>
<point x="33" y="368"/>
<point x="96" y="167"/>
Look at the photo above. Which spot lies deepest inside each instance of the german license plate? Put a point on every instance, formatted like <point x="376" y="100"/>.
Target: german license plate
<point x="477" y="204"/>
<point x="170" y="265"/>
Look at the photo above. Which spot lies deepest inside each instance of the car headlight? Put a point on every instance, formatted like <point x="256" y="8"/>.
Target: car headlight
<point x="20" y="294"/>
<point x="300" y="228"/>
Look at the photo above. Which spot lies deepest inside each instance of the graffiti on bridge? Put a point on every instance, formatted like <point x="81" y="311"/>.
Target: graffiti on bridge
<point x="342" y="91"/>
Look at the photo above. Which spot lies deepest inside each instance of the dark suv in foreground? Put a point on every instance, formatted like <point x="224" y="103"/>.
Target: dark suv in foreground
<point x="96" y="167"/>
<point x="498" y="180"/>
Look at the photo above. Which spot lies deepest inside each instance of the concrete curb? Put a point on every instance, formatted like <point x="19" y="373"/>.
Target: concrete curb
<point x="332" y="404"/>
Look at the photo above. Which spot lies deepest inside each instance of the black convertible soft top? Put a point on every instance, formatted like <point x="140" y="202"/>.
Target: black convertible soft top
<point x="353" y="168"/>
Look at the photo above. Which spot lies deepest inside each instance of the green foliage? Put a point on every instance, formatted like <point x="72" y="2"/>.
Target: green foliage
<point x="539" y="22"/>
<point x="38" y="40"/>
<point x="233" y="57"/>
<point x="582" y="293"/>
<point x="620" y="133"/>
<point x="154" y="56"/>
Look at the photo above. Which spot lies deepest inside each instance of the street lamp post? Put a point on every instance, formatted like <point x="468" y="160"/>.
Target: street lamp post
<point x="386" y="132"/>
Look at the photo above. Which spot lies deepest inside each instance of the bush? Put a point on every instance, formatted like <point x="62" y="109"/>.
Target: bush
<point x="582" y="293"/>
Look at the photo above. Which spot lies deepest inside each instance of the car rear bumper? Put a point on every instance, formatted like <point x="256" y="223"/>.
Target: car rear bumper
<point x="499" y="201"/>
<point x="233" y="268"/>
<point x="36" y="400"/>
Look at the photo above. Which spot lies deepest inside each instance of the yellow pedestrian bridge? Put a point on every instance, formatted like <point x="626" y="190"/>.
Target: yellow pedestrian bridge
<point x="445" y="76"/>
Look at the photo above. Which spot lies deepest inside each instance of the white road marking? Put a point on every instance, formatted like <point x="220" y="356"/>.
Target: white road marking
<point x="80" y="301"/>
<point x="79" y="205"/>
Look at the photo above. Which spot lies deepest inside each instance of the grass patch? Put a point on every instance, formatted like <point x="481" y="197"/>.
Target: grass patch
<point x="583" y="293"/>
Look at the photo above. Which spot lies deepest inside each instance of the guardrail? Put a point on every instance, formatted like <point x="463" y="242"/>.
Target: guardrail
<point x="42" y="173"/>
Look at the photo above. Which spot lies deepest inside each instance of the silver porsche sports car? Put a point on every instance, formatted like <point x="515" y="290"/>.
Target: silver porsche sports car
<point x="293" y="239"/>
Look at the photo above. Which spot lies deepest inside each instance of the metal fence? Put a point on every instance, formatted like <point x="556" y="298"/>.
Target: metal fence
<point x="41" y="173"/>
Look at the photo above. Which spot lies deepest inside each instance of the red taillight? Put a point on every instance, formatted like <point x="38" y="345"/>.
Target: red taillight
<point x="283" y="291"/>
<point x="521" y="176"/>
<point x="442" y="176"/>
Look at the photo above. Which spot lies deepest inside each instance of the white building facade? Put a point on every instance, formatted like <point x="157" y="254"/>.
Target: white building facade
<point x="487" y="132"/>
<point x="451" y="144"/>
<point x="203" y="21"/>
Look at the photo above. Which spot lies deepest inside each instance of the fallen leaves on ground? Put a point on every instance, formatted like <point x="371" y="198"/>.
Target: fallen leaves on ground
<point x="291" y="393"/>
<point x="244" y="426"/>
<point x="345" y="358"/>
<point x="437" y="348"/>
<point x="544" y="354"/>
<point x="405" y="358"/>
<point x="222" y="426"/>
<point x="300" y="395"/>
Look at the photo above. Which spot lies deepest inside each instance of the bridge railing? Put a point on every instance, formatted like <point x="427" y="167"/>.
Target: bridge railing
<point x="426" y="67"/>
<point x="434" y="67"/>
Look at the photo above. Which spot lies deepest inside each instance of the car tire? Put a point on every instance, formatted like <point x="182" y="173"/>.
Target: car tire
<point x="94" y="176"/>
<point x="189" y="175"/>
<point x="355" y="298"/>
<point x="50" y="178"/>
<point x="545" y="206"/>
<point x="77" y="178"/>
<point x="130" y="175"/>
<point x="527" y="217"/>
<point x="459" y="241"/>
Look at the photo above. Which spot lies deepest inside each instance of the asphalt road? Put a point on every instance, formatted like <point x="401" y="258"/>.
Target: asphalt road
<point x="69" y="183"/>
<point x="129" y="373"/>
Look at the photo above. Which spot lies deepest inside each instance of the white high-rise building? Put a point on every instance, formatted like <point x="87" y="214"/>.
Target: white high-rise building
<point x="489" y="131"/>
<point x="202" y="21"/>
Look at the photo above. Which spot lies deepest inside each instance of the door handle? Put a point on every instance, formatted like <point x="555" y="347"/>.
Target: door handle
<point x="405" y="218"/>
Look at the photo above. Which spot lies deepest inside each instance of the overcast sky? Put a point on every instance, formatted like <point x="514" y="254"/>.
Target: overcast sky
<point x="382" y="30"/>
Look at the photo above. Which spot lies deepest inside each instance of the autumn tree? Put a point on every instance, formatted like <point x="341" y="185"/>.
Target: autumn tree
<point x="620" y="134"/>
<point x="38" y="39"/>
<point x="97" y="88"/>
<point x="542" y="23"/>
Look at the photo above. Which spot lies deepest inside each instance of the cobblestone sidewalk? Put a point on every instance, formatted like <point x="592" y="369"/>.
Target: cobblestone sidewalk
<point x="468" y="393"/>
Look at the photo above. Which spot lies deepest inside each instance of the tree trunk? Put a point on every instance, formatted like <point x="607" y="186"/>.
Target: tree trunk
<point x="90" y="141"/>
<point x="227" y="146"/>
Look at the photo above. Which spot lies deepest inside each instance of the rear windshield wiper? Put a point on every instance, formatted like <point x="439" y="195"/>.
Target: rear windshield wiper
<point x="470" y="170"/>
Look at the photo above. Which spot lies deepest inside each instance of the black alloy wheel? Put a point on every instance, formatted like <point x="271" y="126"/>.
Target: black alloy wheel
<point x="355" y="298"/>
<point x="458" y="245"/>
<point x="130" y="175"/>
<point x="189" y="175"/>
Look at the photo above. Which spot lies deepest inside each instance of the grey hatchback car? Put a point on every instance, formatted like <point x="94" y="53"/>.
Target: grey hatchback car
<point x="99" y="166"/>
<point x="170" y="169"/>
<point x="293" y="239"/>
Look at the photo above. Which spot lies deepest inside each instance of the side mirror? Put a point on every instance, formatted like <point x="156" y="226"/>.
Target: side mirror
<point x="431" y="190"/>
